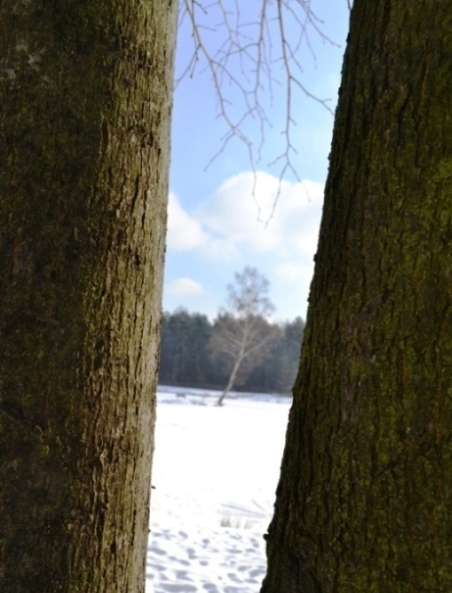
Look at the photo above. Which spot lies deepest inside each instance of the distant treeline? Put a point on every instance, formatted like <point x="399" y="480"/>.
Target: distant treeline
<point x="187" y="358"/>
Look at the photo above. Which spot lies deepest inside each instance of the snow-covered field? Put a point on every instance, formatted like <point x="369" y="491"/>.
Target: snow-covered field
<point x="215" y="474"/>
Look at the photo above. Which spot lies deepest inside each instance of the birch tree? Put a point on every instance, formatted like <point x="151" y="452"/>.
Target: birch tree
<point x="241" y="335"/>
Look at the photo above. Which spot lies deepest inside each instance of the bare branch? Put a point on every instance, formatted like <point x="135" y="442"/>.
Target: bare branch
<point x="251" y="53"/>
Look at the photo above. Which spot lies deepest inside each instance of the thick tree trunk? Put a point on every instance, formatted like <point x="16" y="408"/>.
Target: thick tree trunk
<point x="365" y="496"/>
<point x="84" y="140"/>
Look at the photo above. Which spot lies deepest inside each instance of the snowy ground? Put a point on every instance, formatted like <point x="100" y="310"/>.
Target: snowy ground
<point x="215" y="474"/>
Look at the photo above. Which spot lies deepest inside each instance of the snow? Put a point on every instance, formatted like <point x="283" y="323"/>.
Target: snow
<point x="215" y="473"/>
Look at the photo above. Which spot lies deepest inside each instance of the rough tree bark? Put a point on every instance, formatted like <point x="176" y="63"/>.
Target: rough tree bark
<point x="84" y="140"/>
<point x="365" y="496"/>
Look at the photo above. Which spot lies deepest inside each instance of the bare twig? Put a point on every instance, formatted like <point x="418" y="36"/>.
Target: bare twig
<point x="247" y="57"/>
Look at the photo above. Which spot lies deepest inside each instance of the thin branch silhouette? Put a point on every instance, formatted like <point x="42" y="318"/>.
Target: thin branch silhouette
<point x="246" y="60"/>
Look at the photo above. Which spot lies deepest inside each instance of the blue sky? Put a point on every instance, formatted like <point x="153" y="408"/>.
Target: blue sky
<point x="219" y="214"/>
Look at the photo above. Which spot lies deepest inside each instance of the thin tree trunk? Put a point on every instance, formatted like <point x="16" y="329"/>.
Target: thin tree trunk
<point x="365" y="496"/>
<point x="84" y="142"/>
<point x="231" y="381"/>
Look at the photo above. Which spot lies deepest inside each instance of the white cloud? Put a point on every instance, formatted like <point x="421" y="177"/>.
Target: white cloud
<point x="290" y="271"/>
<point x="242" y="212"/>
<point x="183" y="287"/>
<point x="184" y="231"/>
<point x="280" y="242"/>
<point x="234" y="227"/>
